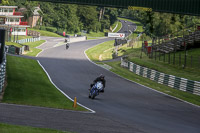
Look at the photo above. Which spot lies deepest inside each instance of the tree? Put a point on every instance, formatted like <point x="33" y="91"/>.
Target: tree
<point x="105" y="23"/>
<point x="88" y="16"/>
<point x="4" y="2"/>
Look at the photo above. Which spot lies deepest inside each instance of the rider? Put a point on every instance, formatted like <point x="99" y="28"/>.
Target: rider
<point x="100" y="78"/>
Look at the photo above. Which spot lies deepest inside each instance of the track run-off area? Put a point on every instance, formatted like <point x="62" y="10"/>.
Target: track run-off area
<point x="124" y="107"/>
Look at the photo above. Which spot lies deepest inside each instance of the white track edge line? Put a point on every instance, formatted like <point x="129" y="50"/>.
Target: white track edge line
<point x="92" y="111"/>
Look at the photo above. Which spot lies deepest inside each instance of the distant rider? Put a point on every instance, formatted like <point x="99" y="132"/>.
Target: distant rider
<point x="102" y="79"/>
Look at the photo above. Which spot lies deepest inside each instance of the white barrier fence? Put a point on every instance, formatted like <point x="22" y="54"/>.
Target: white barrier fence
<point x="162" y="78"/>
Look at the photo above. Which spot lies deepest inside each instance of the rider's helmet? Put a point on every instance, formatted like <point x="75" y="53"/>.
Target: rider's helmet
<point x="102" y="76"/>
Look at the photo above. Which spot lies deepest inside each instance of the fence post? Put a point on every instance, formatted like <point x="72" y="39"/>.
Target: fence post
<point x="185" y="54"/>
<point x="164" y="57"/>
<point x="2" y="42"/>
<point x="174" y="54"/>
<point x="159" y="56"/>
<point x="199" y="61"/>
<point x="179" y="59"/>
<point x="174" y="58"/>
<point x="142" y="49"/>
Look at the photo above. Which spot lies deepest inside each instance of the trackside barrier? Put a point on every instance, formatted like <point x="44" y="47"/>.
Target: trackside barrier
<point x="162" y="78"/>
<point x="2" y="73"/>
<point x="16" y="50"/>
<point x="28" y="40"/>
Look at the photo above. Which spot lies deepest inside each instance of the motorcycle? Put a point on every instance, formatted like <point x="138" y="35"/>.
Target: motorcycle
<point x="67" y="45"/>
<point x="96" y="88"/>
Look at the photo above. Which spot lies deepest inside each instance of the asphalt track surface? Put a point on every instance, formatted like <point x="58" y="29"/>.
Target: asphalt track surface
<point x="125" y="107"/>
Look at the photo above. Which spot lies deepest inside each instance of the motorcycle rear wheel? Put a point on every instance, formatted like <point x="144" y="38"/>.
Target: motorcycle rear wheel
<point x="93" y="97"/>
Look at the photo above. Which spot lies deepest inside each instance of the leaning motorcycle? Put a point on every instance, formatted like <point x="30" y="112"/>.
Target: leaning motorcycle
<point x="96" y="88"/>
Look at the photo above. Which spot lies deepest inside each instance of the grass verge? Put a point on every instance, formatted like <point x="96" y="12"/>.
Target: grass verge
<point x="32" y="47"/>
<point x="105" y="49"/>
<point x="19" y="37"/>
<point x="118" y="27"/>
<point x="7" y="128"/>
<point x="28" y="84"/>
<point x="139" y="25"/>
<point x="114" y="25"/>
<point x="94" y="53"/>
<point x="46" y="33"/>
<point x="116" y="68"/>
<point x="13" y="43"/>
<point x="188" y="73"/>
<point x="96" y="34"/>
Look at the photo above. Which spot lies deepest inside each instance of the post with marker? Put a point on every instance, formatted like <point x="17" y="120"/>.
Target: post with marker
<point x="75" y="105"/>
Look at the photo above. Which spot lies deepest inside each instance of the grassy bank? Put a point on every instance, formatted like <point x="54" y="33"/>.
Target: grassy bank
<point x="46" y="33"/>
<point x="116" y="68"/>
<point x="6" y="128"/>
<point x="28" y="84"/>
<point x="134" y="56"/>
<point x="119" y="26"/>
<point x="19" y="37"/>
<point x="13" y="43"/>
<point x="104" y="49"/>
<point x="33" y="51"/>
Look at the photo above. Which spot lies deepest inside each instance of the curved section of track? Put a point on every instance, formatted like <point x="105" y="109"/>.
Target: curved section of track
<point x="125" y="107"/>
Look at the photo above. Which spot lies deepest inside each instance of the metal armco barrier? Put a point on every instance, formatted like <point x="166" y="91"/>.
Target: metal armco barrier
<point x="2" y="59"/>
<point x="119" y="41"/>
<point x="15" y="50"/>
<point x="28" y="40"/>
<point x="2" y="73"/>
<point x="162" y="78"/>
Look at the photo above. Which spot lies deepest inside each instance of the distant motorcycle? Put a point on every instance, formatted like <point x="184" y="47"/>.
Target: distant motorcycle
<point x="96" y="88"/>
<point x="67" y="45"/>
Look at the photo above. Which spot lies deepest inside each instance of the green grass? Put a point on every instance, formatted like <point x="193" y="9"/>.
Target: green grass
<point x="116" y="68"/>
<point x="46" y="33"/>
<point x="104" y="49"/>
<point x="137" y="31"/>
<point x="118" y="27"/>
<point x="20" y="37"/>
<point x="92" y="38"/>
<point x="13" y="43"/>
<point x="134" y="56"/>
<point x="178" y="59"/>
<point x="139" y="25"/>
<point x="7" y="128"/>
<point x="28" y="84"/>
<point x="32" y="47"/>
<point x="96" y="34"/>
<point x="189" y="73"/>
<point x="114" y="25"/>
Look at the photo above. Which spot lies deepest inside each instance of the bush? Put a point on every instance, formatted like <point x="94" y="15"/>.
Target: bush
<point x="60" y="30"/>
<point x="51" y="29"/>
<point x="42" y="28"/>
<point x="145" y="37"/>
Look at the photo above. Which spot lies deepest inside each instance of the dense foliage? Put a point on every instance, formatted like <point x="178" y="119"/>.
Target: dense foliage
<point x="68" y="17"/>
<point x="159" y="24"/>
<point x="75" y="18"/>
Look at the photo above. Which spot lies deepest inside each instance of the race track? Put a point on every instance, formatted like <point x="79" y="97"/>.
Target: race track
<point x="125" y="107"/>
